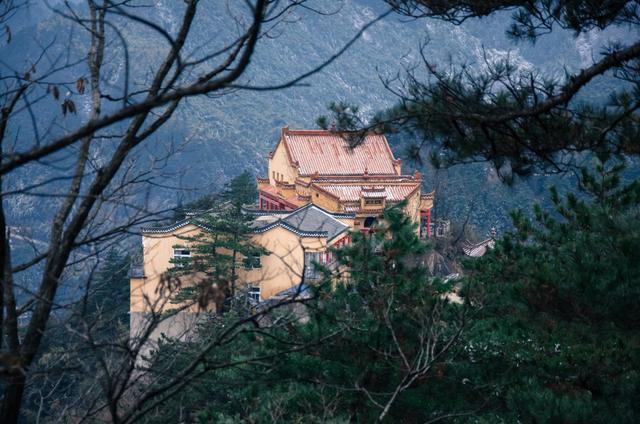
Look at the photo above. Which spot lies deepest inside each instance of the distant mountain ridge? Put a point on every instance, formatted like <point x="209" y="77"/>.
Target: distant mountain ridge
<point x="219" y="137"/>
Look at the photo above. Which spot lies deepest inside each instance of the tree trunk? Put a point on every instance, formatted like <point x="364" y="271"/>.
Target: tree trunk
<point x="13" y="398"/>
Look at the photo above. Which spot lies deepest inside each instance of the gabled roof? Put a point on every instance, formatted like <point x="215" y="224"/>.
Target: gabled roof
<point x="307" y="221"/>
<point x="328" y="153"/>
<point x="172" y="227"/>
<point x="312" y="218"/>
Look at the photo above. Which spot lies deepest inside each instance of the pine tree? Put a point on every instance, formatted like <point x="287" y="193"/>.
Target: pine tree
<point x="557" y="340"/>
<point x="369" y="346"/>
<point x="223" y="246"/>
<point x="107" y="301"/>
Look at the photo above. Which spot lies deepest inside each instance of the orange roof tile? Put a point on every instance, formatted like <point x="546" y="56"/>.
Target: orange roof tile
<point x="327" y="153"/>
<point x="350" y="192"/>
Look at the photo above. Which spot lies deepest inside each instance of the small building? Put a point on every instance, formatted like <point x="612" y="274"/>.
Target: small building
<point x="296" y="241"/>
<point x="478" y="250"/>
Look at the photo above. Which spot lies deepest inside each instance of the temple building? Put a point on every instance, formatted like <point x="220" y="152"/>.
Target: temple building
<point x="320" y="167"/>
<point x="318" y="189"/>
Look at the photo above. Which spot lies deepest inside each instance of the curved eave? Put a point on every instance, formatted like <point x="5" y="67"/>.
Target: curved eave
<point x="287" y="226"/>
<point x="173" y="227"/>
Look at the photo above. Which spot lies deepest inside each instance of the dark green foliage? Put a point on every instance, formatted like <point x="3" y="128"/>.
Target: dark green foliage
<point x="521" y="120"/>
<point x="202" y="204"/>
<point x="385" y="327"/>
<point x="550" y="333"/>
<point x="555" y="336"/>
<point x="241" y="190"/>
<point x="557" y="339"/>
<point x="223" y="245"/>
<point x="107" y="302"/>
<point x="531" y="19"/>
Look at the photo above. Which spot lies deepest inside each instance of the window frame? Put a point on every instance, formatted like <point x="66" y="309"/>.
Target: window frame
<point x="252" y="291"/>
<point x="180" y="256"/>
<point x="252" y="262"/>
<point x="311" y="271"/>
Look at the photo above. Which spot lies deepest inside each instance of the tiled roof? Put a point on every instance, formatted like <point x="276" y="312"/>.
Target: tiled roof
<point x="351" y="192"/>
<point x="371" y="179"/>
<point x="352" y="208"/>
<point x="284" y="224"/>
<point x="328" y="153"/>
<point x="374" y="192"/>
<point x="477" y="250"/>
<point x="307" y="221"/>
<point x="173" y="227"/>
<point x="312" y="218"/>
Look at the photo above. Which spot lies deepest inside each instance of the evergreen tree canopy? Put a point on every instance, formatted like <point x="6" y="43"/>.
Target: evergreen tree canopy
<point x="366" y="347"/>
<point x="521" y="120"/>
<point x="223" y="245"/>
<point x="557" y="339"/>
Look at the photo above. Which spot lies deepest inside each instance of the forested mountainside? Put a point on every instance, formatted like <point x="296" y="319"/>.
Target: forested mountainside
<point x="216" y="138"/>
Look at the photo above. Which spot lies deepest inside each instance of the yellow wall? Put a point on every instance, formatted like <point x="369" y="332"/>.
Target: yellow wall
<point x="279" y="163"/>
<point x="325" y="201"/>
<point x="281" y="269"/>
<point x="158" y="251"/>
<point x="284" y="266"/>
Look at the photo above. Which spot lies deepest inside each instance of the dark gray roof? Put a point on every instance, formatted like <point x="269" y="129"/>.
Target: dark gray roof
<point x="311" y="218"/>
<point x="174" y="226"/>
<point x="309" y="221"/>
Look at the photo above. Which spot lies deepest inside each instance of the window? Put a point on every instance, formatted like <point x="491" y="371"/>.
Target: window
<point x="180" y="256"/>
<point x="311" y="271"/>
<point x="369" y="222"/>
<point x="254" y="293"/>
<point x="251" y="262"/>
<point x="181" y="253"/>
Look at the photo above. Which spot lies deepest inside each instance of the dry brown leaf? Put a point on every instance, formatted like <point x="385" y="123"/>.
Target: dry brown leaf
<point x="80" y="84"/>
